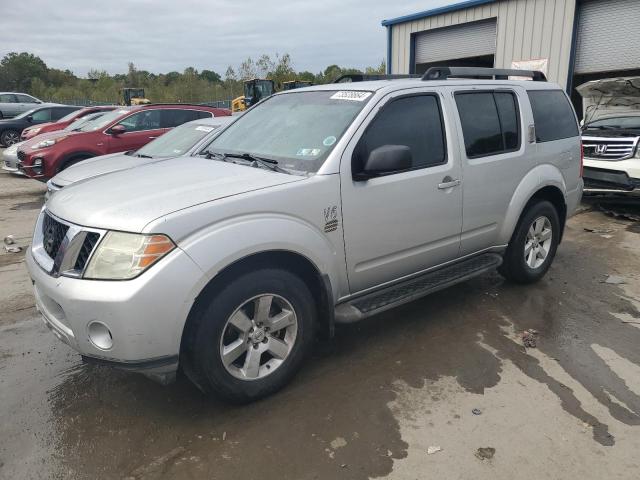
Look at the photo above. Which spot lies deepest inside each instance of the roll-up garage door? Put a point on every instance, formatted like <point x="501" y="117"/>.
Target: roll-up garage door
<point x="608" y="36"/>
<point x="459" y="41"/>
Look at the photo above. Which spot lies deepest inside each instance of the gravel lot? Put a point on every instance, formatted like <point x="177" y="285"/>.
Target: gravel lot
<point x="371" y="402"/>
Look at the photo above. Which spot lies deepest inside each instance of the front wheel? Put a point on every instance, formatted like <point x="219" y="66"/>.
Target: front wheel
<point x="9" y="137"/>
<point x="252" y="336"/>
<point x="533" y="245"/>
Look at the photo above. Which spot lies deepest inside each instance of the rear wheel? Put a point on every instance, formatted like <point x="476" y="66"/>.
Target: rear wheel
<point x="533" y="245"/>
<point x="9" y="137"/>
<point x="251" y="337"/>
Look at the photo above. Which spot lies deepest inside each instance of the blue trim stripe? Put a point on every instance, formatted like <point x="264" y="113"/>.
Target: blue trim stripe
<point x="436" y="11"/>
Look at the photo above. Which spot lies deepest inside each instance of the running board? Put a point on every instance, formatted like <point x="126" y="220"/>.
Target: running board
<point x="390" y="297"/>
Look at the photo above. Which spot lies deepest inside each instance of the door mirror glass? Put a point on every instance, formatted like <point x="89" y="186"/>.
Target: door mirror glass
<point x="117" y="129"/>
<point x="29" y="118"/>
<point x="386" y="159"/>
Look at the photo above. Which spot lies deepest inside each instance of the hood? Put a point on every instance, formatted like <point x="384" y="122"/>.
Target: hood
<point x="96" y="166"/>
<point x="609" y="96"/>
<point x="40" y="126"/>
<point x="129" y="199"/>
<point x="45" y="136"/>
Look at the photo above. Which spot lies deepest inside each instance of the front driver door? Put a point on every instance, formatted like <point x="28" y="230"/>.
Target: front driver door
<point x="141" y="127"/>
<point x="402" y="223"/>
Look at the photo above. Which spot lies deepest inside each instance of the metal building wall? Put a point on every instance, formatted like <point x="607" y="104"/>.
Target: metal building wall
<point x="526" y="29"/>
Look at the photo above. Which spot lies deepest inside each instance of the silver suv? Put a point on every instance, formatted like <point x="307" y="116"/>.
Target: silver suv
<point x="12" y="104"/>
<point x="319" y="205"/>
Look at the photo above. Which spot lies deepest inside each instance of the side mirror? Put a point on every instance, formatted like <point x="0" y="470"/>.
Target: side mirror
<point x="117" y="130"/>
<point x="29" y="118"/>
<point x="384" y="160"/>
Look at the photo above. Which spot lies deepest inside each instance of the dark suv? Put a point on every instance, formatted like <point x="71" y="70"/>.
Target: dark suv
<point x="11" y="128"/>
<point x="127" y="128"/>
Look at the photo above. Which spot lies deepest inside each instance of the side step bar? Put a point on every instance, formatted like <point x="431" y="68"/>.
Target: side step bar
<point x="390" y="297"/>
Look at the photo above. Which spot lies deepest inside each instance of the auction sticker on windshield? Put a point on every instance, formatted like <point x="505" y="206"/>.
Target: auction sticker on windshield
<point x="352" y="95"/>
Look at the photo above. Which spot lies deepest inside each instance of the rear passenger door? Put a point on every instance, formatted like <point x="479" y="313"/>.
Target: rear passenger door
<point x="176" y="116"/>
<point x="58" y="112"/>
<point x="404" y="222"/>
<point x="494" y="160"/>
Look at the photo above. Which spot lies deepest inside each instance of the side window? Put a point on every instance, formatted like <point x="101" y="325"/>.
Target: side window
<point x="144" y="120"/>
<point x="43" y="115"/>
<point x="414" y="121"/>
<point x="60" y="112"/>
<point x="490" y="122"/>
<point x="553" y="115"/>
<point x="7" y="98"/>
<point x="26" y="99"/>
<point x="174" y="117"/>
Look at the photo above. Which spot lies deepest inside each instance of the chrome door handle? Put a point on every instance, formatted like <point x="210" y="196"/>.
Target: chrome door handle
<point x="152" y="137"/>
<point x="448" y="183"/>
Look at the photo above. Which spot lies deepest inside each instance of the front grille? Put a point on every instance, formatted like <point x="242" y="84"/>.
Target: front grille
<point x="609" y="148"/>
<point x="53" y="232"/>
<point x="85" y="251"/>
<point x="21" y="155"/>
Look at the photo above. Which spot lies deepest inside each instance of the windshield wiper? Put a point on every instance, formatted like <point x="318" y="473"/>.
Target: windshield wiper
<point x="256" y="161"/>
<point x="602" y="127"/>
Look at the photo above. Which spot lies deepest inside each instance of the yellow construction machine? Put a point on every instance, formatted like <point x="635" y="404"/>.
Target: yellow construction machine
<point x="254" y="91"/>
<point x="133" y="96"/>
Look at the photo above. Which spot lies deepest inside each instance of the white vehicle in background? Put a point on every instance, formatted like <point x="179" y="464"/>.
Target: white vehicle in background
<point x="184" y="140"/>
<point x="611" y="135"/>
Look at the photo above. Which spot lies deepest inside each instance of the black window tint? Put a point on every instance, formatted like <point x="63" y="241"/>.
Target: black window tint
<point x="509" y="121"/>
<point x="58" y="113"/>
<point x="203" y="114"/>
<point x="412" y="121"/>
<point x="480" y="123"/>
<point x="144" y="120"/>
<point x="174" y="117"/>
<point x="553" y="115"/>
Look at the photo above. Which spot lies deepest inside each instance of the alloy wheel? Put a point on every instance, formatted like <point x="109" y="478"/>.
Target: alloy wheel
<point x="538" y="242"/>
<point x="258" y="337"/>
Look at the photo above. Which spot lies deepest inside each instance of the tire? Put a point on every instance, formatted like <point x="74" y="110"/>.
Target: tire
<point x="70" y="162"/>
<point x="230" y="321"/>
<point x="9" y="137"/>
<point x="538" y="221"/>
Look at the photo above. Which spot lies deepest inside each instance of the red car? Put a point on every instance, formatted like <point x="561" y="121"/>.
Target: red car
<point x="29" y="133"/>
<point x="121" y="130"/>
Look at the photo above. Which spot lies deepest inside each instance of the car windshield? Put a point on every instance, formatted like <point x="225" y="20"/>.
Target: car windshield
<point x="176" y="142"/>
<point x="104" y="120"/>
<point x="73" y="126"/>
<point x="616" y="122"/>
<point x="297" y="129"/>
<point x="26" y="114"/>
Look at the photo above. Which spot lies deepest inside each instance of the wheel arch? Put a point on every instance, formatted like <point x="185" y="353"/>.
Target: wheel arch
<point x="544" y="182"/>
<point x="319" y="284"/>
<point x="83" y="155"/>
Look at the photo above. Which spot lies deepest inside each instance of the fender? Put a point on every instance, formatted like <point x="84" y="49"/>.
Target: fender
<point x="221" y="244"/>
<point x="537" y="178"/>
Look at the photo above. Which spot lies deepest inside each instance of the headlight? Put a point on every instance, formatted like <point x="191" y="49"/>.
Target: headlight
<point x="121" y="256"/>
<point x="47" y="143"/>
<point x="37" y="166"/>
<point x="33" y="130"/>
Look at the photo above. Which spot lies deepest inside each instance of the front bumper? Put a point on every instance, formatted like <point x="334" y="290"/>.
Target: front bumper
<point x="621" y="176"/>
<point x="145" y="316"/>
<point x="10" y="163"/>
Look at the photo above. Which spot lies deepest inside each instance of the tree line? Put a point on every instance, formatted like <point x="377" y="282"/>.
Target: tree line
<point x="25" y="72"/>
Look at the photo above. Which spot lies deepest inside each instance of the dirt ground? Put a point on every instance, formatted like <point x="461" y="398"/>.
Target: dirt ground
<point x="368" y="404"/>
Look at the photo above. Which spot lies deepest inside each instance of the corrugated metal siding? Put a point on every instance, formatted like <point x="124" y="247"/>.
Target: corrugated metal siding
<point x="526" y="29"/>
<point x="608" y="37"/>
<point x="457" y="41"/>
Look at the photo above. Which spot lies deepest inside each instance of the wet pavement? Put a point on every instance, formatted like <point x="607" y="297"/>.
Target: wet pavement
<point x="369" y="403"/>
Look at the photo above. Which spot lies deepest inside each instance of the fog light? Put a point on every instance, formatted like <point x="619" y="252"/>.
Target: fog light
<point x="37" y="166"/>
<point x="100" y="335"/>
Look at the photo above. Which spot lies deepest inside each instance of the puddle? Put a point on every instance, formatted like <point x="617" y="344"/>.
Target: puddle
<point x="34" y="205"/>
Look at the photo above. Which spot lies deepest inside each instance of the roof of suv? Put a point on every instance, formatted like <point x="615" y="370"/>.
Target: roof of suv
<point x="403" y="83"/>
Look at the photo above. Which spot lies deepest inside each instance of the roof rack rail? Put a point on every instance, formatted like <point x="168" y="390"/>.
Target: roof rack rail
<point x="444" y="73"/>
<point x="363" y="77"/>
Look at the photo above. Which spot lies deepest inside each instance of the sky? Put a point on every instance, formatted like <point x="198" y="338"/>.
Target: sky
<point x="162" y="36"/>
